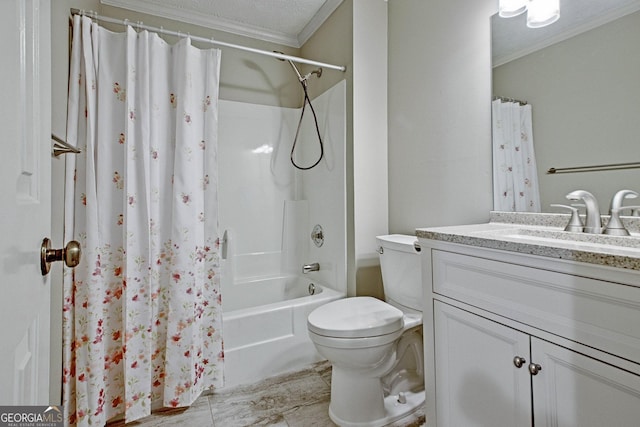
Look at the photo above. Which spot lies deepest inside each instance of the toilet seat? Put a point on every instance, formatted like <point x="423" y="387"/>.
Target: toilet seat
<point x="356" y="317"/>
<point x="347" y="343"/>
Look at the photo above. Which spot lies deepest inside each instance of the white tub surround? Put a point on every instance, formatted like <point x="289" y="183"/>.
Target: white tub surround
<point x="271" y="338"/>
<point x="269" y="208"/>
<point x="531" y="325"/>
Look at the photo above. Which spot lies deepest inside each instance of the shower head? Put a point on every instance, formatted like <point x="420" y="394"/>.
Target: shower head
<point x="304" y="78"/>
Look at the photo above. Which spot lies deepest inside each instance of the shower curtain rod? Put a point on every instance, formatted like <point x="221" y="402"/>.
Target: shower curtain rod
<point x="161" y="30"/>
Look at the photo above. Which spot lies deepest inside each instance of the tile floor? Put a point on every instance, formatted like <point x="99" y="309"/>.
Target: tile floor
<point x="296" y="399"/>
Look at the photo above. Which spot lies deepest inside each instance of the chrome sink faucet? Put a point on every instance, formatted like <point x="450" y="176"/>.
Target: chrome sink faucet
<point x="593" y="223"/>
<point x="306" y="268"/>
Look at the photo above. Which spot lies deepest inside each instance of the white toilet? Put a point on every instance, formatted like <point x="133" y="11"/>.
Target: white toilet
<point x="375" y="347"/>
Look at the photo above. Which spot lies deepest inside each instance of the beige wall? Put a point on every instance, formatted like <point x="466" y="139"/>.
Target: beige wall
<point x="584" y="94"/>
<point x="439" y="113"/>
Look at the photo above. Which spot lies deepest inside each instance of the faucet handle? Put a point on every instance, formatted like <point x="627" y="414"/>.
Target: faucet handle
<point x="615" y="226"/>
<point x="575" y="223"/>
<point x="618" y="198"/>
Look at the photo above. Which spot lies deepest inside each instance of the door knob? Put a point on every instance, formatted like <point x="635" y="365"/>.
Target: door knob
<point x="70" y="254"/>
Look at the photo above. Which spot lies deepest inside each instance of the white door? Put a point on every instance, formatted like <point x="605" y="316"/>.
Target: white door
<point x="25" y="201"/>
<point x="477" y="382"/>
<point x="573" y="390"/>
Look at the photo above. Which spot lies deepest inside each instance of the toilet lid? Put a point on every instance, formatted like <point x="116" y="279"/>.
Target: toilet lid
<point x="356" y="317"/>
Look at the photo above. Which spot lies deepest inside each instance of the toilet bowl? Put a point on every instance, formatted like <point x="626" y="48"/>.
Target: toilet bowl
<point x="375" y="347"/>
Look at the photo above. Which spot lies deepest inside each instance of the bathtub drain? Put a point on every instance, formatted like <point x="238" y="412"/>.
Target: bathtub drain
<point x="312" y="289"/>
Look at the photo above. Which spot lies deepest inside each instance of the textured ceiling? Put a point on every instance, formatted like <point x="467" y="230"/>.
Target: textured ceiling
<point x="512" y="39"/>
<point x="287" y="22"/>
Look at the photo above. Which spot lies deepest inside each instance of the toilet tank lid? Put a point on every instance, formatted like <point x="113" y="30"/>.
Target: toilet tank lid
<point x="400" y="242"/>
<point x="355" y="317"/>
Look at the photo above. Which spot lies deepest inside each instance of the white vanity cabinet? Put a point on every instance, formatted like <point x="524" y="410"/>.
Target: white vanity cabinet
<point x="488" y="374"/>
<point x="524" y="340"/>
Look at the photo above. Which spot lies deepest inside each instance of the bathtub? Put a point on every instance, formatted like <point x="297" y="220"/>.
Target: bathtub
<point x="265" y="327"/>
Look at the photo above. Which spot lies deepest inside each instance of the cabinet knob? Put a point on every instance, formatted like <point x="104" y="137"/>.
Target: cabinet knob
<point x="534" y="368"/>
<point x="519" y="361"/>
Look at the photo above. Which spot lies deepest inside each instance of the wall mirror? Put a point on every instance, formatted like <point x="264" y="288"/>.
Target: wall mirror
<point x="581" y="75"/>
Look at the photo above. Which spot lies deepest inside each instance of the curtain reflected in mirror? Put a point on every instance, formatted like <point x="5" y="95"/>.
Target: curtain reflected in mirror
<point x="515" y="177"/>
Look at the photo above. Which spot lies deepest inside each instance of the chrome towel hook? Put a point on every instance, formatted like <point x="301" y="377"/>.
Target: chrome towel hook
<point x="61" y="146"/>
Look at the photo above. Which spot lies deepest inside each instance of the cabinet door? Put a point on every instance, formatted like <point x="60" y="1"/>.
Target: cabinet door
<point x="477" y="382"/>
<point x="576" y="390"/>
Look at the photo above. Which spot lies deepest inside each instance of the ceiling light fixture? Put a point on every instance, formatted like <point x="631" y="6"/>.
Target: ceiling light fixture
<point x="511" y="8"/>
<point x="540" y="13"/>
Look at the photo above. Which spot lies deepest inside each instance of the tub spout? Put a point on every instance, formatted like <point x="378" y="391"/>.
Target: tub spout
<point x="310" y="267"/>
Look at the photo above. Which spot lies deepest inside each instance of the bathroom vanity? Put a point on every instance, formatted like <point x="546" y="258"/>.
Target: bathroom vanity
<point x="526" y="324"/>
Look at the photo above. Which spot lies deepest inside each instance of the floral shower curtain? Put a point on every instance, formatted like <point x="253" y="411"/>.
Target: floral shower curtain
<point x="515" y="177"/>
<point x="142" y="312"/>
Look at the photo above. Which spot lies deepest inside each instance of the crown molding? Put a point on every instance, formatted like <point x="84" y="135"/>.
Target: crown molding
<point x="327" y="8"/>
<point x="214" y="22"/>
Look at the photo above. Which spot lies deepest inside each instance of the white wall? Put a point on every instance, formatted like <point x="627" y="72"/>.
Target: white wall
<point x="370" y="178"/>
<point x="439" y="113"/>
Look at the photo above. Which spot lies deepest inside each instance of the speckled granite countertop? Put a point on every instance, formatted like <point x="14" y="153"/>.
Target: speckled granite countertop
<point x="544" y="235"/>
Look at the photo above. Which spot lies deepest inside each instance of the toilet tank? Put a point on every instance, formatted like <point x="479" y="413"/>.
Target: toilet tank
<point x="401" y="271"/>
